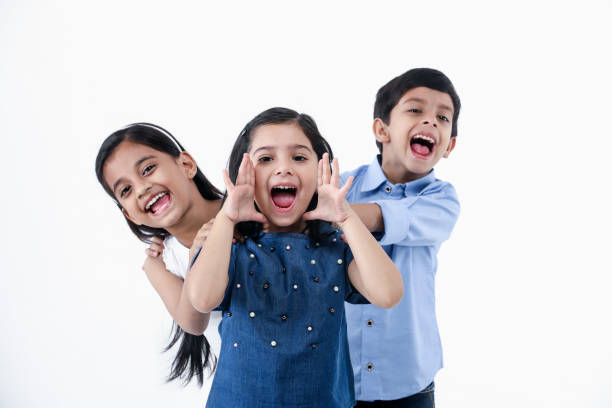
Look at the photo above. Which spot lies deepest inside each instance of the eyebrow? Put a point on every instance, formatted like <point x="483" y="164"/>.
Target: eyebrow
<point x="296" y="146"/>
<point x="138" y="163"/>
<point x="442" y="106"/>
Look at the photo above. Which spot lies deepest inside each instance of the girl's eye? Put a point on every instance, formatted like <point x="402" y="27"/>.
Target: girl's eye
<point x="124" y="191"/>
<point x="414" y="110"/>
<point x="444" y="118"/>
<point x="264" y="159"/>
<point x="299" y="158"/>
<point x="148" y="169"/>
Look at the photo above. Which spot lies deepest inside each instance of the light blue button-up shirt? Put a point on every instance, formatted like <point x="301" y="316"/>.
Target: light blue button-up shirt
<point x="397" y="352"/>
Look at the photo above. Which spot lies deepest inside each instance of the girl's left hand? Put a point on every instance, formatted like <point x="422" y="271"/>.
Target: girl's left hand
<point x="332" y="206"/>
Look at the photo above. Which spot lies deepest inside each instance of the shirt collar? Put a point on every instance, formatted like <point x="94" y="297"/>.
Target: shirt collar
<point x="374" y="177"/>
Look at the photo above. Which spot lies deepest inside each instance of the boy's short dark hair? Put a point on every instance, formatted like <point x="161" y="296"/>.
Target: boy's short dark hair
<point x="389" y="95"/>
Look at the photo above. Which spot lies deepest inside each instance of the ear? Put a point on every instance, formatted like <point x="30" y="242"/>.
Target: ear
<point x="451" y="146"/>
<point x="127" y="215"/>
<point x="187" y="164"/>
<point x="381" y="133"/>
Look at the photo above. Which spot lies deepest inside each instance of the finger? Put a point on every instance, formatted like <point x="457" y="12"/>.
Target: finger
<point x="152" y="253"/>
<point x="345" y="188"/>
<point x="310" y="215"/>
<point x="258" y="217"/>
<point x="250" y="171"/>
<point x="325" y="168"/>
<point x="155" y="247"/>
<point x="320" y="173"/>
<point x="157" y="240"/>
<point x="240" y="179"/>
<point x="229" y="186"/>
<point x="336" y="173"/>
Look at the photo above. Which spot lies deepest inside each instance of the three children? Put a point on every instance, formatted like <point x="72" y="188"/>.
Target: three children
<point x="282" y="290"/>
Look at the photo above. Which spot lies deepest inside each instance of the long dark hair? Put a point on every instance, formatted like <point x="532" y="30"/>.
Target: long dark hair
<point x="194" y="352"/>
<point x="243" y="145"/>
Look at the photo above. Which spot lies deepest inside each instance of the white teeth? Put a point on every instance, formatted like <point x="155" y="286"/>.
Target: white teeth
<point x="284" y="188"/>
<point x="153" y="200"/>
<point x="423" y="137"/>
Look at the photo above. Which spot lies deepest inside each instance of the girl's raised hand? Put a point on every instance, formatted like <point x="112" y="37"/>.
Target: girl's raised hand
<point x="154" y="254"/>
<point x="332" y="206"/>
<point x="240" y="202"/>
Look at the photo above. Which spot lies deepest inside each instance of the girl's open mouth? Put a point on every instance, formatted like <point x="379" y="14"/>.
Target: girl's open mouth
<point x="422" y="145"/>
<point x="283" y="197"/>
<point x="159" y="203"/>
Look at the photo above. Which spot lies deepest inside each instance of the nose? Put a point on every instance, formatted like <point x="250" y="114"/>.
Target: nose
<point x="284" y="168"/>
<point x="142" y="188"/>
<point x="429" y="122"/>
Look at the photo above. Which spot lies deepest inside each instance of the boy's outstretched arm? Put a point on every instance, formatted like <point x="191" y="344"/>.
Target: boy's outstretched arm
<point x="422" y="220"/>
<point x="371" y="272"/>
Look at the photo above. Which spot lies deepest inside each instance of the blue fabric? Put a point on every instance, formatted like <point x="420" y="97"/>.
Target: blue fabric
<point x="269" y="357"/>
<point x="397" y="352"/>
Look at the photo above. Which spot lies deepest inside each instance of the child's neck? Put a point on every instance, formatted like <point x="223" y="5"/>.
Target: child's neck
<point x="297" y="228"/>
<point x="200" y="212"/>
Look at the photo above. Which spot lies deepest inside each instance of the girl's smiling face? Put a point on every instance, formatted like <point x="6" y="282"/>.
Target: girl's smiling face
<point x="285" y="174"/>
<point x="152" y="187"/>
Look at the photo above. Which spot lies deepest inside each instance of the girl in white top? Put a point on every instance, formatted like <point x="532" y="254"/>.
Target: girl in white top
<point x="165" y="199"/>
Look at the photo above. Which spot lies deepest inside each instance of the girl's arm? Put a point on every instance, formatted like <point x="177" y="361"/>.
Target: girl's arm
<point x="171" y="289"/>
<point x="208" y="278"/>
<point x="371" y="272"/>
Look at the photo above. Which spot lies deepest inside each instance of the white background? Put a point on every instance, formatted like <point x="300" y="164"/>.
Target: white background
<point x="523" y="284"/>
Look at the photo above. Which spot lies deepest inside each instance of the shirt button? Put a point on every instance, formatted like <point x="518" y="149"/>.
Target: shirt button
<point x="316" y="279"/>
<point x="266" y="285"/>
<point x="317" y="244"/>
<point x="312" y="262"/>
<point x="238" y="285"/>
<point x="309" y="328"/>
<point x="339" y="261"/>
<point x="272" y="249"/>
<point x="334" y="240"/>
<point x="252" y="315"/>
<point x="388" y="189"/>
<point x="273" y="343"/>
<point x="332" y="310"/>
<point x="288" y="247"/>
<point x="229" y="314"/>
<point x="251" y="273"/>
<point x="370" y="323"/>
<point x="314" y="346"/>
<point x="251" y="256"/>
<point x="259" y="245"/>
<point x="295" y="286"/>
<point x="370" y="366"/>
<point x="336" y="289"/>
<point x="284" y="269"/>
<point x="235" y="344"/>
<point x="283" y="317"/>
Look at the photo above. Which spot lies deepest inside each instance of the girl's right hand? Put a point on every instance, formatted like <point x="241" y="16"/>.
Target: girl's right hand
<point x="240" y="202"/>
<point x="154" y="254"/>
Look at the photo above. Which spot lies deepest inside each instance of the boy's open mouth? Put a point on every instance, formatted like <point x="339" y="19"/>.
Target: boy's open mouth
<point x="283" y="196"/>
<point x="158" y="203"/>
<point x="422" y="145"/>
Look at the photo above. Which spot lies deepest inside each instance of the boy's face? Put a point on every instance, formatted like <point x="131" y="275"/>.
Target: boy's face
<point x="417" y="136"/>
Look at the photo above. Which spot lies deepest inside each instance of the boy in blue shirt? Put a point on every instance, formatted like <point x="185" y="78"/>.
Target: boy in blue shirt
<point x="396" y="352"/>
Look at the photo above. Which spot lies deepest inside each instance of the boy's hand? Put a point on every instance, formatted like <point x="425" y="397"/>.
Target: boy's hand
<point x="240" y="202"/>
<point x="154" y="257"/>
<point x="332" y="206"/>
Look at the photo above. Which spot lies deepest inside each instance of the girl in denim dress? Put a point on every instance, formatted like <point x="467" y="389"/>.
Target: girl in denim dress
<point x="282" y="291"/>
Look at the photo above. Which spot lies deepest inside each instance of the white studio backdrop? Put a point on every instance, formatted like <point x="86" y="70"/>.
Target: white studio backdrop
<point x="523" y="284"/>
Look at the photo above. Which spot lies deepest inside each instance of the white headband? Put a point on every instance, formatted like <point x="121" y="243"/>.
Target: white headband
<point x="159" y="129"/>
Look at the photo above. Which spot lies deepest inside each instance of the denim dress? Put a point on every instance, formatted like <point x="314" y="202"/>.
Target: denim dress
<point x="283" y="331"/>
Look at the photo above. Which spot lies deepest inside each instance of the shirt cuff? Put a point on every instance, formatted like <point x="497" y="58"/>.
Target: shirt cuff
<point x="395" y="219"/>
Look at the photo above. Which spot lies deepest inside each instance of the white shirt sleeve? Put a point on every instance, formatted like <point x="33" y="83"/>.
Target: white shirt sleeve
<point x="175" y="257"/>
